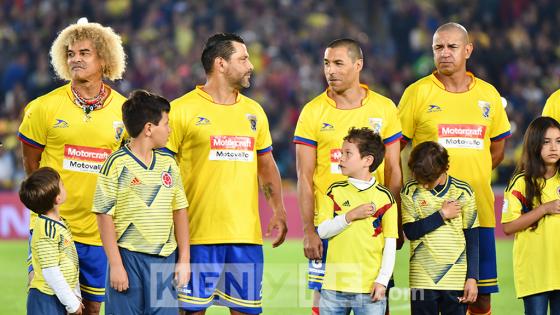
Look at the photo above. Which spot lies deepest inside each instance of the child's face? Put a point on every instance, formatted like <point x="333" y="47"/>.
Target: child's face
<point x="550" y="151"/>
<point x="61" y="198"/>
<point x="160" y="133"/>
<point x="351" y="163"/>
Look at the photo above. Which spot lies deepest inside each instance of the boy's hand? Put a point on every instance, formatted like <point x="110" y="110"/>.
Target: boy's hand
<point x="182" y="274"/>
<point x="79" y="310"/>
<point x="360" y="212"/>
<point x="118" y="278"/>
<point x="378" y="292"/>
<point x="470" y="293"/>
<point x="450" y="209"/>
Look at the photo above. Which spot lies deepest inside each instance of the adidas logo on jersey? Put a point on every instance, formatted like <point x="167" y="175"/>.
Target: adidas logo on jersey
<point x="346" y="203"/>
<point x="135" y="181"/>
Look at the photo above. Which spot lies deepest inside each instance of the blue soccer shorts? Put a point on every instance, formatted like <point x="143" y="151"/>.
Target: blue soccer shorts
<point x="224" y="274"/>
<point x="93" y="269"/>
<point x="488" y="274"/>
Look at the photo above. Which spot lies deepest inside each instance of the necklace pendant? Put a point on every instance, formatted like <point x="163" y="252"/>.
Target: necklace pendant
<point x="87" y="117"/>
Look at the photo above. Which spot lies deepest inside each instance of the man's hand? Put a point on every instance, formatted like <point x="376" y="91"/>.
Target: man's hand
<point x="277" y="222"/>
<point x="470" y="293"/>
<point x="182" y="274"/>
<point x="378" y="292"/>
<point x="450" y="209"/>
<point x="118" y="278"/>
<point x="312" y="245"/>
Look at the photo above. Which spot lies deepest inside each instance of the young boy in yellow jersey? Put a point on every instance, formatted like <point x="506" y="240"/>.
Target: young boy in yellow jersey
<point x="441" y="222"/>
<point x="55" y="288"/>
<point x="362" y="231"/>
<point x="141" y="212"/>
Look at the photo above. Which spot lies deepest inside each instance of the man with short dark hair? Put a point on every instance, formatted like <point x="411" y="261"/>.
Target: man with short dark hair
<point x="322" y="124"/>
<point x="223" y="145"/>
<point x="466" y="116"/>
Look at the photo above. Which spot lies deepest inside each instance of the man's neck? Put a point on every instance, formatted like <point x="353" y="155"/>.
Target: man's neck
<point x="348" y="99"/>
<point x="142" y="148"/>
<point x="87" y="89"/>
<point x="456" y="83"/>
<point x="220" y="91"/>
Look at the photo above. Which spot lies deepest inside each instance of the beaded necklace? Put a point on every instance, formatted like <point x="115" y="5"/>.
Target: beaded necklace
<point x="89" y="104"/>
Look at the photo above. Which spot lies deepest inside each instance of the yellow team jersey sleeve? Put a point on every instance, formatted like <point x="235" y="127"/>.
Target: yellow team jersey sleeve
<point x="391" y="130"/>
<point x="514" y="199"/>
<point x="406" y="113"/>
<point x="468" y="211"/>
<point x="500" y="127"/>
<point x="407" y="205"/>
<point x="264" y="140"/>
<point x="47" y="248"/>
<point x="180" y="201"/>
<point x="305" y="133"/>
<point x="33" y="129"/>
<point x="552" y="106"/>
<point x="106" y="190"/>
<point x="178" y="128"/>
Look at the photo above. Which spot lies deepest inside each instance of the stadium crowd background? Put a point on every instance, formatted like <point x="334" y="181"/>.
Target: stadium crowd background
<point x="515" y="49"/>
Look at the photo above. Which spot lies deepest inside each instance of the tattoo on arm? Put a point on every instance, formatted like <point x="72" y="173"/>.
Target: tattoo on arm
<point x="267" y="189"/>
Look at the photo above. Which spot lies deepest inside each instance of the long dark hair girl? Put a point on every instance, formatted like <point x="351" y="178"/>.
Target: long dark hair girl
<point x="532" y="163"/>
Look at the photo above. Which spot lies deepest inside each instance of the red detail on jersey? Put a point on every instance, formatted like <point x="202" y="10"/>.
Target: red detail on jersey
<point x="335" y="155"/>
<point x="336" y="207"/>
<point x="378" y="215"/>
<point x="232" y="143"/>
<point x="520" y="197"/>
<point x="135" y="181"/>
<point x="166" y="179"/>
<point x="423" y="203"/>
<point x="462" y="131"/>
<point x="76" y="152"/>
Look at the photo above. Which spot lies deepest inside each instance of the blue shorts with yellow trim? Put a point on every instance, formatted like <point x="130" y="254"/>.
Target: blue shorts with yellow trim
<point x="93" y="269"/>
<point x="316" y="269"/>
<point x="488" y="273"/>
<point x="224" y="274"/>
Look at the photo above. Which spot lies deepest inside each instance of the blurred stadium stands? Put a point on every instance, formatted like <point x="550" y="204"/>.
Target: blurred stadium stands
<point x="515" y="49"/>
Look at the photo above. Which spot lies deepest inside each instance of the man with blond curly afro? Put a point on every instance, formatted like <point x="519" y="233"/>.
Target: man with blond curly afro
<point x="73" y="129"/>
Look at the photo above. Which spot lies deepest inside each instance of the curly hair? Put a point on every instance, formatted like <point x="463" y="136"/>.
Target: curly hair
<point x="106" y="42"/>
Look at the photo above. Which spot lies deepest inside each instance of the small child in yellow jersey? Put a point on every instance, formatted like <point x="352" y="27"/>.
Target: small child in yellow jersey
<point x="54" y="288"/>
<point x="440" y="219"/>
<point x="531" y="212"/>
<point x="362" y="232"/>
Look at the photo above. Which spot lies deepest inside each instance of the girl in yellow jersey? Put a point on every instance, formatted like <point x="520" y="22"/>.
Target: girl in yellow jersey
<point x="531" y="211"/>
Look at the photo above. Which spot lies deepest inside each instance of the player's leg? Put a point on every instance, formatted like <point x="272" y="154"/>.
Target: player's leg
<point x="207" y="264"/>
<point x="130" y="301"/>
<point x="536" y="304"/>
<point x="93" y="270"/>
<point x="240" y="288"/>
<point x="424" y="302"/>
<point x="160" y="295"/>
<point x="449" y="303"/>
<point x="488" y="279"/>
<point x="335" y="303"/>
<point x="315" y="275"/>
<point x="39" y="303"/>
<point x="363" y="305"/>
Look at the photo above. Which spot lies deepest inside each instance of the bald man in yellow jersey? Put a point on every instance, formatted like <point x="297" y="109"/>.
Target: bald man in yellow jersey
<point x="552" y="106"/>
<point x="223" y="146"/>
<point x="73" y="129"/>
<point x="322" y="124"/>
<point x="464" y="114"/>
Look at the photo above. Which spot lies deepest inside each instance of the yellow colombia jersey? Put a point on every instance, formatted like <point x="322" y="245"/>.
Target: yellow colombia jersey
<point x="536" y="253"/>
<point x="438" y="260"/>
<point x="552" y="106"/>
<point x="52" y="246"/>
<point x="465" y="124"/>
<point x="141" y="199"/>
<point x="75" y="147"/>
<point x="216" y="146"/>
<point x="323" y="126"/>
<point x="354" y="256"/>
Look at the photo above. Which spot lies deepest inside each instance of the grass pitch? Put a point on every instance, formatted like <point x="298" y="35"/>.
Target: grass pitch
<point x="284" y="286"/>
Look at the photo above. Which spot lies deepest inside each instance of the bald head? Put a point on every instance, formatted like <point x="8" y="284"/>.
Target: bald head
<point x="454" y="27"/>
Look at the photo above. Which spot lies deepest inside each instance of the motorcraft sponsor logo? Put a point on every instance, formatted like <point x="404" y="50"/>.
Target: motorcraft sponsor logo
<point x="232" y="148"/>
<point x="84" y="159"/>
<point x="335" y="160"/>
<point x="462" y="136"/>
